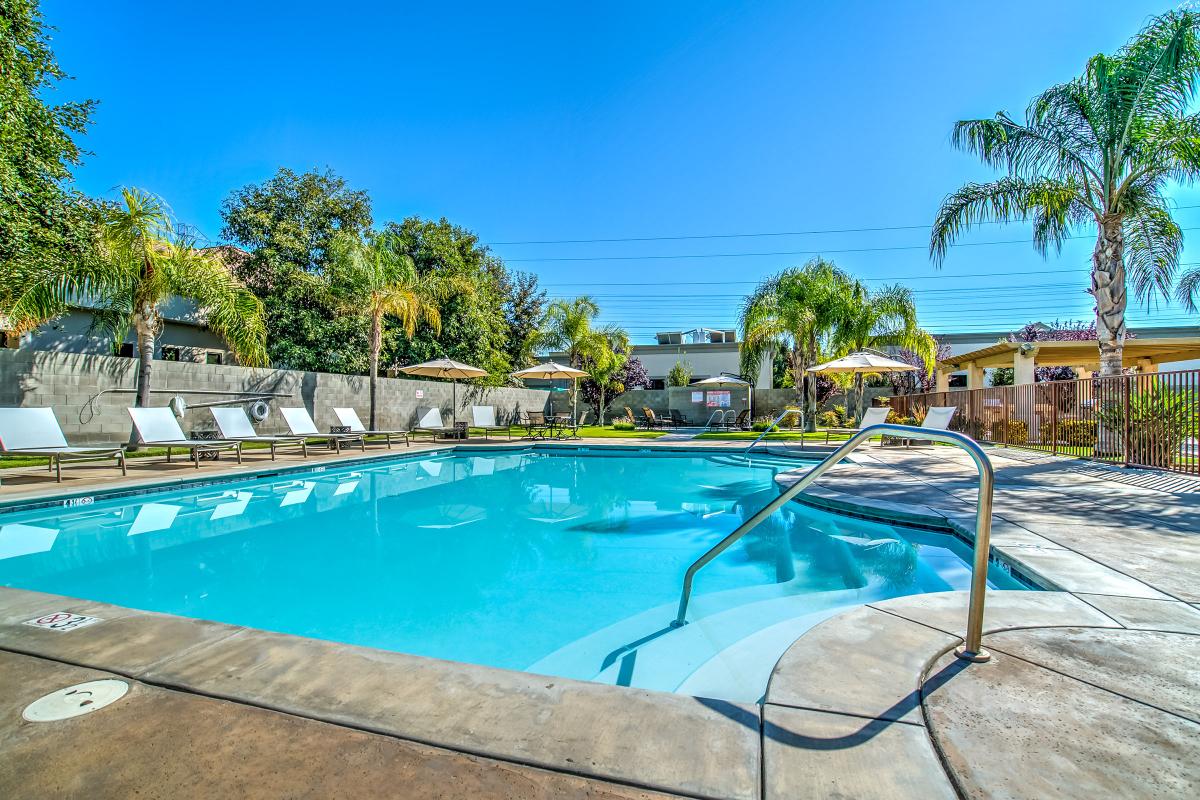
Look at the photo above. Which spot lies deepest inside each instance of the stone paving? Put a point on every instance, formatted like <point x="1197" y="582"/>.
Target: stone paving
<point x="1091" y="691"/>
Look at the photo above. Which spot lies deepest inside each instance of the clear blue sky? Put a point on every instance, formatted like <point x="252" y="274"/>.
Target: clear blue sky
<point x="554" y="121"/>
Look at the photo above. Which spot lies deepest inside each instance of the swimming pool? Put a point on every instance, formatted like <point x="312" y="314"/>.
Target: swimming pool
<point x="555" y="561"/>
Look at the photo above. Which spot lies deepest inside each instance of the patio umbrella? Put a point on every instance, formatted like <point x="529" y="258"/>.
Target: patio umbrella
<point x="445" y="368"/>
<point x="864" y="362"/>
<point x="552" y="371"/>
<point x="729" y="380"/>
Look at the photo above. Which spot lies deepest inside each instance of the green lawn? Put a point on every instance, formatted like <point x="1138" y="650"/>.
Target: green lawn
<point x="587" y="431"/>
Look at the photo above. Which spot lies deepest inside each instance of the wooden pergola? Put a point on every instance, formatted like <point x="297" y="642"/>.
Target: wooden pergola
<point x="1083" y="356"/>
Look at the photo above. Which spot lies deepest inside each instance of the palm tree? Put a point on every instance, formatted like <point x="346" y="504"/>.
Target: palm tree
<point x="377" y="277"/>
<point x="606" y="362"/>
<point x="1098" y="150"/>
<point x="141" y="263"/>
<point x="795" y="311"/>
<point x="874" y="319"/>
<point x="568" y="327"/>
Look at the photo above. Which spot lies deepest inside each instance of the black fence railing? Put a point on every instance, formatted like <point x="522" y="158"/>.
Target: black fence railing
<point x="1145" y="420"/>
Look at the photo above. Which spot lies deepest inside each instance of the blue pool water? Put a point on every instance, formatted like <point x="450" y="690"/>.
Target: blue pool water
<point x="552" y="562"/>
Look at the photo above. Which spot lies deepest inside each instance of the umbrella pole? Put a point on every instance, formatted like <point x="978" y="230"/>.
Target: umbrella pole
<point x="454" y="400"/>
<point x="574" y="400"/>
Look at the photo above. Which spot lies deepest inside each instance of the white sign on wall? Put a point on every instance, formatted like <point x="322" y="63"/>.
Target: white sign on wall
<point x="420" y="393"/>
<point x="697" y="397"/>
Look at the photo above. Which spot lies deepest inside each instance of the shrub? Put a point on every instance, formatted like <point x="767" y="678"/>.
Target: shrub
<point x="680" y="374"/>
<point x="1077" y="432"/>
<point x="1018" y="431"/>
<point x="1159" y="420"/>
<point x="764" y="423"/>
<point x="624" y="425"/>
<point x="896" y="419"/>
<point x="828" y="419"/>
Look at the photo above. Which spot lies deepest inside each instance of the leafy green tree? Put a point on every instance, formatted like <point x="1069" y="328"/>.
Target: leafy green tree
<point x="474" y="330"/>
<point x="680" y="374"/>
<point x="524" y="305"/>
<point x="795" y="312"/>
<point x="375" y="275"/>
<point x="142" y="264"/>
<point x="296" y="217"/>
<point x="289" y="223"/>
<point x="44" y="225"/>
<point x="875" y="319"/>
<point x="1097" y="151"/>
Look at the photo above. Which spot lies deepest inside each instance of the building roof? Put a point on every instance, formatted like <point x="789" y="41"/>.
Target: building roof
<point x="1082" y="353"/>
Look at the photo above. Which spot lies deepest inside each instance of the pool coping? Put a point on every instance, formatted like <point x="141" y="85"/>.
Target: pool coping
<point x="660" y="741"/>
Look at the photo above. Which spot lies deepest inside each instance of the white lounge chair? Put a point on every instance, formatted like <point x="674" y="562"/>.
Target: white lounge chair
<point x="36" y="432"/>
<point x="936" y="418"/>
<point x="484" y="417"/>
<point x="876" y="415"/>
<point x="158" y="426"/>
<point x="236" y="426"/>
<point x="301" y="424"/>
<point x="349" y="418"/>
<point x="430" y="422"/>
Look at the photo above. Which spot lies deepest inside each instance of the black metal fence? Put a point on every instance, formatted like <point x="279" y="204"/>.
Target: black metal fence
<point x="1145" y="420"/>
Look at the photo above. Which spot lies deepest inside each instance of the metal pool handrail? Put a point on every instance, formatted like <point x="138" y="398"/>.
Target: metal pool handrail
<point x="972" y="647"/>
<point x="771" y="427"/>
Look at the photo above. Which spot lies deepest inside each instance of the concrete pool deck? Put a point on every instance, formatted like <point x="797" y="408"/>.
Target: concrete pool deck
<point x="1093" y="690"/>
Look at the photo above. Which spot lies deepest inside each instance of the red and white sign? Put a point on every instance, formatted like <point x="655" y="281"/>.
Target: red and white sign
<point x="62" y="621"/>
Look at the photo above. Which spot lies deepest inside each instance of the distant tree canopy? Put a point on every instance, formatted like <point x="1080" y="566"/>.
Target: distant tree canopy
<point x="291" y="224"/>
<point x="44" y="224"/>
<point x="1056" y="332"/>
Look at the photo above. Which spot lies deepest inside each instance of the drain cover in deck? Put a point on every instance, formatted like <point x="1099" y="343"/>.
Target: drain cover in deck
<point x="75" y="701"/>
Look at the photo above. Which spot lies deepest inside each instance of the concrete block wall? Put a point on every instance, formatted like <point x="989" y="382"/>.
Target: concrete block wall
<point x="80" y="388"/>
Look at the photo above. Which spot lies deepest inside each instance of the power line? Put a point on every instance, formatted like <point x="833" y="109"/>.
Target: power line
<point x="677" y="238"/>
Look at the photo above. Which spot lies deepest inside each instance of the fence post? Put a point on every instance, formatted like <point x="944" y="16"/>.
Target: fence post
<point x="1005" y="397"/>
<point x="1054" y="417"/>
<point x="1125" y="380"/>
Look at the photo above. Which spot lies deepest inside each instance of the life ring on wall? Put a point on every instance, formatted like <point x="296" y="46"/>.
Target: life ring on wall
<point x="259" y="410"/>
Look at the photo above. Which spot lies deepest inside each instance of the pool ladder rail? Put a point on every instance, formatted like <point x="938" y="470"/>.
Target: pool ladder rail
<point x="775" y="422"/>
<point x="972" y="647"/>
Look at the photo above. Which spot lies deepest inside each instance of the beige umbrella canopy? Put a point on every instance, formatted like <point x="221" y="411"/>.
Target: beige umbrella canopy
<point x="552" y="371"/>
<point x="864" y="362"/>
<point x="445" y="368"/>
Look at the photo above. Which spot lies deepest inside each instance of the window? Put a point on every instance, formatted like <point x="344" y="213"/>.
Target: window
<point x="212" y="358"/>
<point x="170" y="354"/>
<point x="658" y="383"/>
<point x="125" y="350"/>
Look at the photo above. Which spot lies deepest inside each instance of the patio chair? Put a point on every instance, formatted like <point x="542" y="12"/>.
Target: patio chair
<point x="158" y="426"/>
<point x="301" y="424"/>
<point x="652" y="421"/>
<point x="35" y="432"/>
<point x="430" y="422"/>
<point x="536" y="426"/>
<point x="742" y="421"/>
<point x="485" y="417"/>
<point x="574" y="425"/>
<point x="632" y="418"/>
<point x="872" y="416"/>
<point x="235" y="426"/>
<point x="349" y="418"/>
<point x="679" y="420"/>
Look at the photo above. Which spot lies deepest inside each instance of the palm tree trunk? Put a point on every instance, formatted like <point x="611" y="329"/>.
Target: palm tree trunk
<point x="858" y="398"/>
<point x="376" y="346"/>
<point x="145" y="324"/>
<point x="601" y="405"/>
<point x="810" y="386"/>
<point x="1108" y="289"/>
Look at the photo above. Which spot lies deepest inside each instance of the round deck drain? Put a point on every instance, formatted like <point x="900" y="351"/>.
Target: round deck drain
<point x="75" y="701"/>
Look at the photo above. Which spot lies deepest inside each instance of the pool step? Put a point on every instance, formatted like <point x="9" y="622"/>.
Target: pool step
<point x="729" y="653"/>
